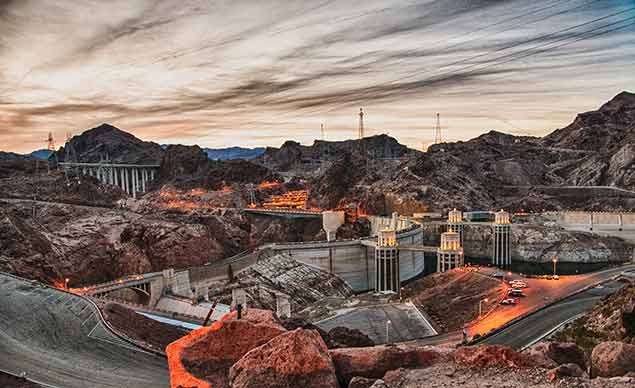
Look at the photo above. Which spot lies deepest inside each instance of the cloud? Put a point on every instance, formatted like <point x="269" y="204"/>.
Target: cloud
<point x="196" y="69"/>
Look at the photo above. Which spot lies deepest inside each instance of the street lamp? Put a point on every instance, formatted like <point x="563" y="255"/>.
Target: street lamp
<point x="66" y="283"/>
<point x="387" y="327"/>
<point x="554" y="260"/>
<point x="480" y="306"/>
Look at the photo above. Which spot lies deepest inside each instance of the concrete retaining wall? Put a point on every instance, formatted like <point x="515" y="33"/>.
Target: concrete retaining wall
<point x="355" y="263"/>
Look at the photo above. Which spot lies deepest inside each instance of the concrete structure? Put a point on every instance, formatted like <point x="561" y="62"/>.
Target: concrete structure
<point x="502" y="247"/>
<point x="331" y="221"/>
<point x="387" y="277"/>
<point x="283" y="306"/>
<point x="450" y="253"/>
<point x="455" y="223"/>
<point x="618" y="224"/>
<point x="131" y="178"/>
<point x="239" y="297"/>
<point x="151" y="286"/>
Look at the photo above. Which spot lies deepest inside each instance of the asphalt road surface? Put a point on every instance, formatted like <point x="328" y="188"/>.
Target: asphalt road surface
<point x="536" y="326"/>
<point x="59" y="340"/>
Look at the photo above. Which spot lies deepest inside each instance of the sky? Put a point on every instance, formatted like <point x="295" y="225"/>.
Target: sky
<point x="260" y="72"/>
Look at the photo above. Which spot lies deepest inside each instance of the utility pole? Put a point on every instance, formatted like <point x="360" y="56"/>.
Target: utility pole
<point x="360" y="131"/>
<point x="322" y="131"/>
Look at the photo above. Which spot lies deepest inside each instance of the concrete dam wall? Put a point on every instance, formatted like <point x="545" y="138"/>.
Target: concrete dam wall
<point x="355" y="262"/>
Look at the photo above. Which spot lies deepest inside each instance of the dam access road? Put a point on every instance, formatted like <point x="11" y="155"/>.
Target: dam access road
<point x="59" y="340"/>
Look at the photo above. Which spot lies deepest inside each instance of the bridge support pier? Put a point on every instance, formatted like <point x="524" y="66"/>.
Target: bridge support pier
<point x="131" y="178"/>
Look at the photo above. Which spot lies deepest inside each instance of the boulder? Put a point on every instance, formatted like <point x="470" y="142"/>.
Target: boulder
<point x="380" y="384"/>
<point x="396" y="378"/>
<point x="343" y="337"/>
<point x="565" y="370"/>
<point x="361" y="382"/>
<point x="491" y="356"/>
<point x="374" y="362"/>
<point x="203" y="357"/>
<point x="559" y="352"/>
<point x="613" y="358"/>
<point x="298" y="358"/>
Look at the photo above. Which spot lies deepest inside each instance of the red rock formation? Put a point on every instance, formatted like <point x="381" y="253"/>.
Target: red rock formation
<point x="613" y="358"/>
<point x="374" y="362"/>
<point x="490" y="356"/>
<point x="559" y="352"/>
<point x="294" y="359"/>
<point x="203" y="357"/>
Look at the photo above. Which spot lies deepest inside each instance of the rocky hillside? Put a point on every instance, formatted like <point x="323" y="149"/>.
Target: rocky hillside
<point x="612" y="320"/>
<point x="500" y="170"/>
<point x="90" y="244"/>
<point x="188" y="167"/>
<point x="106" y="141"/>
<point x="292" y="154"/>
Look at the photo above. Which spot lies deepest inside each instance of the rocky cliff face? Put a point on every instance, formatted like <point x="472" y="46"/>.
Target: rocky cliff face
<point x="539" y="244"/>
<point x="189" y="167"/>
<point x="500" y="170"/>
<point x="90" y="245"/>
<point x="293" y="154"/>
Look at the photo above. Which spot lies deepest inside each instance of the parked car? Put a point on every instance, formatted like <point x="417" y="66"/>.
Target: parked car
<point x="498" y="274"/>
<point x="516" y="292"/>
<point x="508" y="301"/>
<point x="556" y="277"/>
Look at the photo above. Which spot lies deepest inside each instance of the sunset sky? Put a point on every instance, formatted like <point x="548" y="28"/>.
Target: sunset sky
<point x="255" y="73"/>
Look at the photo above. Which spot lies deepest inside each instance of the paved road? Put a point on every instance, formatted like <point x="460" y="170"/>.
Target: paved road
<point x="59" y="340"/>
<point x="536" y="326"/>
<point x="540" y="293"/>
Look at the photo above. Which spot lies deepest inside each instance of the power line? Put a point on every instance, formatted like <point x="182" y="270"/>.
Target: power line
<point x="541" y="37"/>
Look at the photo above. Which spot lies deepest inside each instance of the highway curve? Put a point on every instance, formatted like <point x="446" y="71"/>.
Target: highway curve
<point x="537" y="325"/>
<point x="59" y="340"/>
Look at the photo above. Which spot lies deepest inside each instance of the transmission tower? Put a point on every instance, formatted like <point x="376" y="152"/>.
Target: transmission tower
<point x="438" y="139"/>
<point x="360" y="132"/>
<point x="50" y="142"/>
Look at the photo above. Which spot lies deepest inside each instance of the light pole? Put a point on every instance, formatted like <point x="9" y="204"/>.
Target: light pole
<point x="66" y="283"/>
<point x="555" y="260"/>
<point x="480" y="306"/>
<point x="387" y="328"/>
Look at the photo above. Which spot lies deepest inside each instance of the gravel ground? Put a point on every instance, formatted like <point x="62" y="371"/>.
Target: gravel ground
<point x="448" y="375"/>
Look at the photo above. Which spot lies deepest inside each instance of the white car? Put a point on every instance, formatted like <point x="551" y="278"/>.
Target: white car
<point x="519" y="284"/>
<point x="508" y="301"/>
<point x="515" y="292"/>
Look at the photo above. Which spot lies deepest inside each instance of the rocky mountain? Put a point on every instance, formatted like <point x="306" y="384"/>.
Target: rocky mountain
<point x="108" y="142"/>
<point x="189" y="167"/>
<point x="293" y="154"/>
<point x="41" y="154"/>
<point x="5" y="156"/>
<point x="498" y="170"/>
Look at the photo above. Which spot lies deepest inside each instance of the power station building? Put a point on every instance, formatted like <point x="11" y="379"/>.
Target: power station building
<point x="455" y="223"/>
<point x="502" y="255"/>
<point x="387" y="262"/>
<point x="450" y="253"/>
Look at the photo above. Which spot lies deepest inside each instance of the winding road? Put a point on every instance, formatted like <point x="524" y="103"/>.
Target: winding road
<point x="59" y="340"/>
<point x="535" y="327"/>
